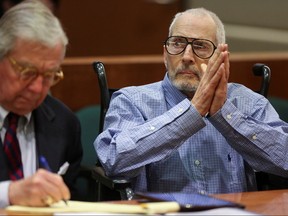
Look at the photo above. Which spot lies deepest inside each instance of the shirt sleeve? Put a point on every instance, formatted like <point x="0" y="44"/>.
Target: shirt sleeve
<point x="256" y="132"/>
<point x="130" y="141"/>
<point x="4" y="198"/>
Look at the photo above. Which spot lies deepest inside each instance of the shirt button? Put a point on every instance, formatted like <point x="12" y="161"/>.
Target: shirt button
<point x="180" y="110"/>
<point x="254" y="137"/>
<point x="229" y="116"/>
<point x="152" y="128"/>
<point x="197" y="162"/>
<point x="202" y="192"/>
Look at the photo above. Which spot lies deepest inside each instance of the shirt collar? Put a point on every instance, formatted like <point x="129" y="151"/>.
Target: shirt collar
<point x="172" y="95"/>
<point x="25" y="120"/>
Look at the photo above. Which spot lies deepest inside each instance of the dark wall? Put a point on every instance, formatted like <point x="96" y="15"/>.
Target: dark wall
<point x="115" y="27"/>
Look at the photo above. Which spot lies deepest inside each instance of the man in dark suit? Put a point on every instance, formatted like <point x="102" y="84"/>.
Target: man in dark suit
<point x="33" y="125"/>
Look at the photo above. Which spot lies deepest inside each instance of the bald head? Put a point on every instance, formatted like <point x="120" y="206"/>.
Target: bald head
<point x="200" y="18"/>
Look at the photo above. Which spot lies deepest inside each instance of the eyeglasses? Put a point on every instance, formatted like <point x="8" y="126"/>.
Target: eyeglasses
<point x="202" y="48"/>
<point x="29" y="73"/>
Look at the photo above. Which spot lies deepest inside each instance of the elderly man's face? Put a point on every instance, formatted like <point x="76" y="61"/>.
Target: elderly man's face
<point x="184" y="69"/>
<point x="20" y="95"/>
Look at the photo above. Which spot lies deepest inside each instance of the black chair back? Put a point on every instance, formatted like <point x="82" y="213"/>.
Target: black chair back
<point x="108" y="189"/>
<point x="265" y="72"/>
<point x="104" y="92"/>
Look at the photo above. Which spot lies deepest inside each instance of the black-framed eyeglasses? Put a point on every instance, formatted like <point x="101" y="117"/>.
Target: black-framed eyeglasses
<point x="202" y="48"/>
<point x="29" y="73"/>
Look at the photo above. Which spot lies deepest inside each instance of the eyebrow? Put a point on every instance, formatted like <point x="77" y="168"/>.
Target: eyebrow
<point x="30" y="65"/>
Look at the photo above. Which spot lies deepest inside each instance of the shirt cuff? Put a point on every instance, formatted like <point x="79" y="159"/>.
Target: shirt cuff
<point x="4" y="198"/>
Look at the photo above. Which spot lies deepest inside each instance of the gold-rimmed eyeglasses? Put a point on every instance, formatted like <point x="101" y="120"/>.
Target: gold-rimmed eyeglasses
<point x="29" y="73"/>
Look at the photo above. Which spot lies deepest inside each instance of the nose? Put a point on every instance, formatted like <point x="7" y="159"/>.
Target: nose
<point x="188" y="54"/>
<point x="36" y="85"/>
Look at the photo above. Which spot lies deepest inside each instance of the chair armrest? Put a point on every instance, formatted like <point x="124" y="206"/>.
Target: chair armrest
<point x="85" y="185"/>
<point x="85" y="171"/>
<point x="116" y="184"/>
<point x="121" y="185"/>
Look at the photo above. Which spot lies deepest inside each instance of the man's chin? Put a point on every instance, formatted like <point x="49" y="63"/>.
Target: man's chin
<point x="186" y="86"/>
<point x="25" y="108"/>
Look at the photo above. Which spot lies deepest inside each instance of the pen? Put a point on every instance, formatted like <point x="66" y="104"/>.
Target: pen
<point x="62" y="170"/>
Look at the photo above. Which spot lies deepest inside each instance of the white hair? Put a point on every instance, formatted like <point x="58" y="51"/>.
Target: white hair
<point x="30" y="20"/>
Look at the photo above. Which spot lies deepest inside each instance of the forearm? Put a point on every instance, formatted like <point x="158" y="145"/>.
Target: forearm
<point x="261" y="142"/>
<point x="134" y="146"/>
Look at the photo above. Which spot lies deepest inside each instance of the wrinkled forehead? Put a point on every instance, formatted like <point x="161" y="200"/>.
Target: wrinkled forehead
<point x="195" y="26"/>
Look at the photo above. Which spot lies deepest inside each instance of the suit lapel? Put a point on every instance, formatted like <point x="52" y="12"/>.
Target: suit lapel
<point x="44" y="127"/>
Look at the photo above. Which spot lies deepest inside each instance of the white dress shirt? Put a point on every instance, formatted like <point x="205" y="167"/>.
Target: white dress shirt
<point x="27" y="142"/>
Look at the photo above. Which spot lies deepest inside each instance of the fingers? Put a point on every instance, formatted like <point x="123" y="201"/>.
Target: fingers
<point x="220" y="56"/>
<point x="213" y="85"/>
<point x="222" y="65"/>
<point x="48" y="200"/>
<point x="41" y="189"/>
<point x="19" y="195"/>
<point x="210" y="70"/>
<point x="203" y="67"/>
<point x="55" y="187"/>
<point x="227" y="66"/>
<point x="220" y="92"/>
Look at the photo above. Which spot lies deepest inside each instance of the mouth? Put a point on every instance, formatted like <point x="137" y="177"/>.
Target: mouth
<point x="188" y="73"/>
<point x="26" y="101"/>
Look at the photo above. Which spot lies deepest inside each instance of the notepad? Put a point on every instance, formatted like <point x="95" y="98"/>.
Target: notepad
<point x="98" y="207"/>
<point x="190" y="201"/>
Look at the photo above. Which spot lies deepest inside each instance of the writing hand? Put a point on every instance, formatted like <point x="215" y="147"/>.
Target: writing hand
<point x="33" y="191"/>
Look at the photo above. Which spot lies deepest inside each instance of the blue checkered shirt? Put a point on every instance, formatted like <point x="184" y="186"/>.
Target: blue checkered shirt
<point x="155" y="137"/>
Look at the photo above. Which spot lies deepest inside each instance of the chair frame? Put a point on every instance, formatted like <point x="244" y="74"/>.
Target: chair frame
<point x="123" y="186"/>
<point x="265" y="72"/>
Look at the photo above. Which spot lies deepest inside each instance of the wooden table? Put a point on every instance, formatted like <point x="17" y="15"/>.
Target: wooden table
<point x="274" y="202"/>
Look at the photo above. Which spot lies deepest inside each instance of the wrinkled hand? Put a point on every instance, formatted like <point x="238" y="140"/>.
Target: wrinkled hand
<point x="212" y="90"/>
<point x="34" y="190"/>
<point x="221" y="90"/>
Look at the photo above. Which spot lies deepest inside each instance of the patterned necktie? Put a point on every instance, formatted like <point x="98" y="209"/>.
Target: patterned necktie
<point x="12" y="149"/>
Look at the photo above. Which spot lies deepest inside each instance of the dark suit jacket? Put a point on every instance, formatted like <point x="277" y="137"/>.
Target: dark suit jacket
<point x="58" y="139"/>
